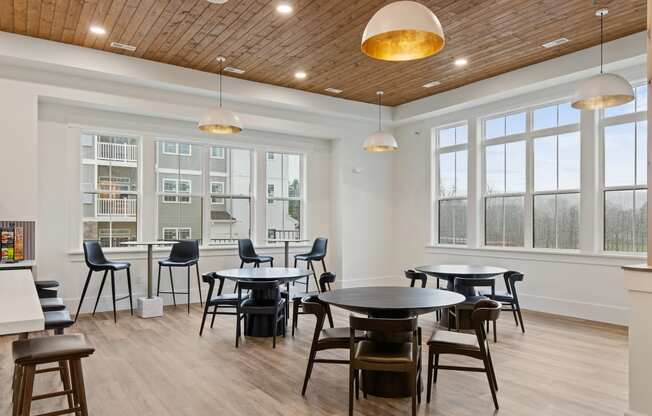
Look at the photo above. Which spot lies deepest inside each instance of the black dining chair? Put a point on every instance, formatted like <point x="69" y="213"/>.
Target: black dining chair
<point x="325" y="281"/>
<point x="274" y="308"/>
<point x="96" y="262"/>
<point x="248" y="254"/>
<point x="464" y="309"/>
<point x="184" y="253"/>
<point x="413" y="276"/>
<point x="324" y="339"/>
<point x="470" y="345"/>
<point x="221" y="303"/>
<point x="509" y="297"/>
<point x="317" y="253"/>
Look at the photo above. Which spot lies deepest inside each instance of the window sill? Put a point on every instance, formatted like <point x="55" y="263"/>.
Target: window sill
<point x="533" y="254"/>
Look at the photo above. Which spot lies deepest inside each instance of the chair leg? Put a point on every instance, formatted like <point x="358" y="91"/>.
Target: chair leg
<point x="242" y="264"/>
<point x="413" y="391"/>
<point x="158" y="285"/>
<point x="329" y="315"/>
<point x="314" y="274"/>
<point x="80" y="386"/>
<point x="99" y="293"/>
<point x="430" y="371"/>
<point x="81" y="300"/>
<point x="295" y="315"/>
<point x="65" y="381"/>
<point x="174" y="296"/>
<point x="214" y="314"/>
<point x="201" y="302"/>
<point x="271" y="263"/>
<point x="495" y="332"/>
<point x="274" y="330"/>
<point x="351" y="370"/>
<point x="203" y="319"/>
<point x="188" y="291"/>
<point x="131" y="302"/>
<point x="520" y="317"/>
<point x="487" y="367"/>
<point x="323" y="263"/>
<point x="365" y="383"/>
<point x="27" y="389"/>
<point x="237" y="330"/>
<point x="115" y="313"/>
<point x="311" y="362"/>
<point x="514" y="313"/>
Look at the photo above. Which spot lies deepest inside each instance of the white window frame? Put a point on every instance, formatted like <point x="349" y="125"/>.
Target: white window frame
<point x="603" y="122"/>
<point x="177" y="232"/>
<point x="177" y="148"/>
<point x="222" y="156"/>
<point x="437" y="198"/>
<point x="176" y="196"/>
<point x="216" y="200"/>
<point x="302" y="191"/>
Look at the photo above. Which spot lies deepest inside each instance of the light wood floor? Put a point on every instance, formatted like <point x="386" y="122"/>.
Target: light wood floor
<point x="162" y="367"/>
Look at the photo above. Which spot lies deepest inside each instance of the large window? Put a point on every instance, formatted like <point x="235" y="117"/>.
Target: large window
<point x="556" y="203"/>
<point x="624" y="140"/>
<point x="110" y="190"/>
<point x="203" y="189"/>
<point x="505" y="179"/>
<point x="452" y="177"/>
<point x="285" y="192"/>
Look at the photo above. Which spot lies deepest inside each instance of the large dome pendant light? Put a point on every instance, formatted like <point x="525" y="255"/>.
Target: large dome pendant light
<point x="219" y="120"/>
<point x="380" y="141"/>
<point x="403" y="31"/>
<point x="603" y="90"/>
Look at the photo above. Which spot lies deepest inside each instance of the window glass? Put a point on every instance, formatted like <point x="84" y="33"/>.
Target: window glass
<point x="515" y="163"/>
<point x="569" y="161"/>
<point x="545" y="117"/>
<point x="545" y="164"/>
<point x="494" y="127"/>
<point x="619" y="154"/>
<point x="495" y="169"/>
<point x="641" y="153"/>
<point x="515" y="124"/>
<point x="446" y="137"/>
<point x="447" y="174"/>
<point x="284" y="202"/>
<point x="452" y="221"/>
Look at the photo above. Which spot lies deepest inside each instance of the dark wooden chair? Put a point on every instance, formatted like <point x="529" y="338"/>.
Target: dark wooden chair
<point x="317" y="253"/>
<point x="413" y="276"/>
<point x="184" y="253"/>
<point x="66" y="351"/>
<point x="470" y="345"/>
<point x="325" y="281"/>
<point x="248" y="254"/>
<point x="509" y="298"/>
<point x="221" y="303"/>
<point x="402" y="357"/>
<point x="468" y="305"/>
<point x="245" y="306"/>
<point x="96" y="262"/>
<point x="324" y="339"/>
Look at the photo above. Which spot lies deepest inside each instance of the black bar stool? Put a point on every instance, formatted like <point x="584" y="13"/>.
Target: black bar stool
<point x="185" y="253"/>
<point x="248" y="254"/>
<point x="317" y="253"/>
<point x="96" y="262"/>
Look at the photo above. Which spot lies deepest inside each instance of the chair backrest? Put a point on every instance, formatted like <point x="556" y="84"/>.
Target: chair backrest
<point x="246" y="248"/>
<point x="185" y="250"/>
<point x="311" y="305"/>
<point x="475" y="282"/>
<point x="272" y="285"/>
<point x="414" y="275"/>
<point x="210" y="278"/>
<point x="511" y="277"/>
<point x="483" y="311"/>
<point x="325" y="280"/>
<point x="93" y="254"/>
<point x="319" y="247"/>
<point x="383" y="325"/>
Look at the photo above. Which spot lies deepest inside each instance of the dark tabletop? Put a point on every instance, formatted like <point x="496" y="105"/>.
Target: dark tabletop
<point x="460" y="270"/>
<point x="414" y="300"/>
<point x="264" y="274"/>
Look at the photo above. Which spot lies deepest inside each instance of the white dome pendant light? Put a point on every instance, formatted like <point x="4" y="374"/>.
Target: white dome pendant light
<point x="219" y="120"/>
<point x="380" y="141"/>
<point x="403" y="31"/>
<point x="602" y="90"/>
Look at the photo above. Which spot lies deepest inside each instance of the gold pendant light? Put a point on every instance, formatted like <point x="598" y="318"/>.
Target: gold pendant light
<point x="602" y="90"/>
<point x="219" y="120"/>
<point x="380" y="141"/>
<point x="403" y="31"/>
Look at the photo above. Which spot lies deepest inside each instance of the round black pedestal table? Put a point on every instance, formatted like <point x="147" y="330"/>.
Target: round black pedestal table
<point x="390" y="302"/>
<point x="262" y="325"/>
<point x="450" y="272"/>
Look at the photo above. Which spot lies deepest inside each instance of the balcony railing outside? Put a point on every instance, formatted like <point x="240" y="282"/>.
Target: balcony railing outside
<point x="274" y="234"/>
<point x="115" y="207"/>
<point x="120" y="152"/>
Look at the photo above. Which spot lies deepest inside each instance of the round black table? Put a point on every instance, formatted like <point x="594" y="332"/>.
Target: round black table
<point x="261" y="325"/>
<point x="390" y="302"/>
<point x="449" y="272"/>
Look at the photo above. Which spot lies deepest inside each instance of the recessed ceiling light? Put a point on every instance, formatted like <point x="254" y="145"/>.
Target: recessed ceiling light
<point x="555" y="42"/>
<point x="461" y="62"/>
<point x="333" y="90"/>
<point x="431" y="84"/>
<point x="300" y="75"/>
<point x="98" y="30"/>
<point x="284" y="8"/>
<point x="217" y="1"/>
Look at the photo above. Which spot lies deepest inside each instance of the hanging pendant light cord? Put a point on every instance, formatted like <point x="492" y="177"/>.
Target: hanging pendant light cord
<point x="601" y="42"/>
<point x="380" y="125"/>
<point x="220" y="84"/>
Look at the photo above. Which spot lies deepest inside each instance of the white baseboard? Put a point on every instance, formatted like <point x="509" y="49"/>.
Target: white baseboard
<point x="583" y="310"/>
<point x="633" y="413"/>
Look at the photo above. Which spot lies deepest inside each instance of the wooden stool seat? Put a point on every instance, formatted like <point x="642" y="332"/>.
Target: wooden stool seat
<point x="65" y="350"/>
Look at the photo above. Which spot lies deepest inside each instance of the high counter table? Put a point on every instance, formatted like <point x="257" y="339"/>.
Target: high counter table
<point x="20" y="309"/>
<point x="151" y="306"/>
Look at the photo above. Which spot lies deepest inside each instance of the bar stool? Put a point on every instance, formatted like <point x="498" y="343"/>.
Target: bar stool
<point x="66" y="351"/>
<point x="96" y="262"/>
<point x="58" y="321"/>
<point x="46" y="288"/>
<point x="317" y="253"/>
<point x="184" y="253"/>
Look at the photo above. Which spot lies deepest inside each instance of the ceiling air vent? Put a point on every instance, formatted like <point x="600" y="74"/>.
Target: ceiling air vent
<point x="555" y="42"/>
<point x="234" y="70"/>
<point x="124" y="46"/>
<point x="431" y="84"/>
<point x="333" y="90"/>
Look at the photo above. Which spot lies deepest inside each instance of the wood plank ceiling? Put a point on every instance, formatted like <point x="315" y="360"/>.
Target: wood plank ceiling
<point x="322" y="37"/>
